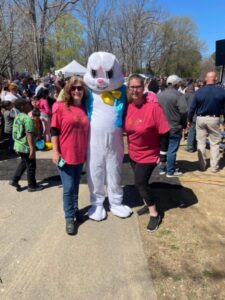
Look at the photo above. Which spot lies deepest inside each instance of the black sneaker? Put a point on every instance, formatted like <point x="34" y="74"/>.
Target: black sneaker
<point x="79" y="216"/>
<point x="70" y="227"/>
<point x="15" y="184"/>
<point x="190" y="150"/>
<point x="154" y="223"/>
<point x="35" y="188"/>
<point x="143" y="210"/>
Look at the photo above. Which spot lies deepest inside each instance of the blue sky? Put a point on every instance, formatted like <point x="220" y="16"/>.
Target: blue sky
<point x="209" y="16"/>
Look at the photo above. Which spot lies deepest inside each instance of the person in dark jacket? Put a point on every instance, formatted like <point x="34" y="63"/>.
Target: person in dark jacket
<point x="208" y="104"/>
<point x="175" y="107"/>
<point x="9" y="115"/>
<point x="191" y="138"/>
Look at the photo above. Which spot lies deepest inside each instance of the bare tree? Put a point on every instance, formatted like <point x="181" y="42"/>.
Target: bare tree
<point x="41" y="15"/>
<point x="13" y="39"/>
<point x="134" y="28"/>
<point x="95" y="16"/>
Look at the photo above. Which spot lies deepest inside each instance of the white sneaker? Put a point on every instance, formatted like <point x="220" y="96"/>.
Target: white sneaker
<point x="162" y="172"/>
<point x="175" y="174"/>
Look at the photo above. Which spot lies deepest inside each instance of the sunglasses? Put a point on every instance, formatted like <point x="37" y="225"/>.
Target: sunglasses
<point x="79" y="88"/>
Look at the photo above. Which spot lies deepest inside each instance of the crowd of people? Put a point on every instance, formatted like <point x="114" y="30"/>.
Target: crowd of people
<point x="52" y="112"/>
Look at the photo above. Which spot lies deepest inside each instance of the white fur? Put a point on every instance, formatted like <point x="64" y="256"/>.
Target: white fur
<point x="97" y="213"/>
<point x="105" y="154"/>
<point x="101" y="63"/>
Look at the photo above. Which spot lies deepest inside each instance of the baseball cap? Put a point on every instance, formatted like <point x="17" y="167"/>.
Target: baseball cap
<point x="173" y="80"/>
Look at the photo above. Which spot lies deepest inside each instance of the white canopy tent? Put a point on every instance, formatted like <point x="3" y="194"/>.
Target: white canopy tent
<point x="73" y="68"/>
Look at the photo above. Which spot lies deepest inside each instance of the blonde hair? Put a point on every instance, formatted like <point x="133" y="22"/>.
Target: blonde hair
<point x="13" y="86"/>
<point x="66" y="97"/>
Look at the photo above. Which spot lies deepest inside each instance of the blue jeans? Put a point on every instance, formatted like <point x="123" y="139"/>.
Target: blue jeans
<point x="191" y="140"/>
<point x="174" y="143"/>
<point x="70" y="176"/>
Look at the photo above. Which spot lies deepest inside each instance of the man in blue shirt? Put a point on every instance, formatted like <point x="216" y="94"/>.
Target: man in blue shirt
<point x="208" y="103"/>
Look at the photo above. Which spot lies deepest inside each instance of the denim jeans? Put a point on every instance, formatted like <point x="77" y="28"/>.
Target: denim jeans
<point x="11" y="141"/>
<point x="70" y="177"/>
<point x="191" y="140"/>
<point x="174" y="143"/>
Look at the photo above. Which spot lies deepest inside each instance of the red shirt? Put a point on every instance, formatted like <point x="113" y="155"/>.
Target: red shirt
<point x="73" y="124"/>
<point x="144" y="125"/>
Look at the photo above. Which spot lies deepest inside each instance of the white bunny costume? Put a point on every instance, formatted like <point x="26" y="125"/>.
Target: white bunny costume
<point x="105" y="105"/>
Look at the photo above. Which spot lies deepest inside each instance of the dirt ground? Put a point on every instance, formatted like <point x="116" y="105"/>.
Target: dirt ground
<point x="186" y="255"/>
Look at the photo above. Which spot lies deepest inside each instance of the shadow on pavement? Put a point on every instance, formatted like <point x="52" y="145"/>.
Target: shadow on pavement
<point x="166" y="195"/>
<point x="189" y="166"/>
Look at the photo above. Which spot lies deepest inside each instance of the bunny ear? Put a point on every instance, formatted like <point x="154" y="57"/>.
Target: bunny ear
<point x="101" y="59"/>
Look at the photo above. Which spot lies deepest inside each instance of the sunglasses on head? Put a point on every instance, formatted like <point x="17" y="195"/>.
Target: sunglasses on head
<point x="78" y="88"/>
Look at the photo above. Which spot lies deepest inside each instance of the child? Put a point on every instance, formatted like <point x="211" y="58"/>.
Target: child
<point x="34" y="102"/>
<point x="23" y="135"/>
<point x="35" y="115"/>
<point x="37" y="123"/>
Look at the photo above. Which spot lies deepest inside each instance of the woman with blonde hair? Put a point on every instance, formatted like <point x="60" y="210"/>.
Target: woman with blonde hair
<point x="69" y="131"/>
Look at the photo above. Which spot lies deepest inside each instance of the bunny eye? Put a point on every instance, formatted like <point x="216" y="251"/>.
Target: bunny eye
<point x="93" y="73"/>
<point x="110" y="73"/>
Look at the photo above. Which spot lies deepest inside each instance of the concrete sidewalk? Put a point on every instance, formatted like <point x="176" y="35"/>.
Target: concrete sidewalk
<point x="38" y="260"/>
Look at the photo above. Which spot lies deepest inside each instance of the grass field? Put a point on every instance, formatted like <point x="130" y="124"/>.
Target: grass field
<point x="186" y="255"/>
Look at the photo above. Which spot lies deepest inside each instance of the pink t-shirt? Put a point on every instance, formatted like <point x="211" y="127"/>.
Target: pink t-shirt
<point x="151" y="97"/>
<point x="44" y="107"/>
<point x="144" y="125"/>
<point x="73" y="124"/>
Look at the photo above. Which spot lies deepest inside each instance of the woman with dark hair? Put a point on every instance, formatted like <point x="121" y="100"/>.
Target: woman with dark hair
<point x="69" y="130"/>
<point x="148" y="134"/>
<point x="153" y="89"/>
<point x="153" y="86"/>
<point x="46" y="112"/>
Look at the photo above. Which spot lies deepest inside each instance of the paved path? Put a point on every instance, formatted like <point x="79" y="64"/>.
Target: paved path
<point x="38" y="260"/>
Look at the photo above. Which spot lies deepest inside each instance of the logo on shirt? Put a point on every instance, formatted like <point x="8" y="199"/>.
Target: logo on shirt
<point x="134" y="122"/>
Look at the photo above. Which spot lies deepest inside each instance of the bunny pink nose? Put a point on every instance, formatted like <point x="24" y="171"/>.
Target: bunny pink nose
<point x="100" y="81"/>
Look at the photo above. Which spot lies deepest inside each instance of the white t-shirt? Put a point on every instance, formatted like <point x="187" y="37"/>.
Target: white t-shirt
<point x="11" y="97"/>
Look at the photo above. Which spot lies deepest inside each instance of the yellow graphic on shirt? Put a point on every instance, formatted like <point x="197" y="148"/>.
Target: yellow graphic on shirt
<point x="134" y="122"/>
<point x="109" y="97"/>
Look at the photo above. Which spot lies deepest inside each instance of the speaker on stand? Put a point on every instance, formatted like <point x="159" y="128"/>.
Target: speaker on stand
<point x="220" y="56"/>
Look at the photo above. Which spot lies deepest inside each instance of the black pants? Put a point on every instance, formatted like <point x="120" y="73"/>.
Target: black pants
<point x="29" y="165"/>
<point x="142" y="174"/>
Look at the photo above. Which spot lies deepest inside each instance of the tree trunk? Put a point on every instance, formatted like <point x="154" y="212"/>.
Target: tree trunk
<point x="32" y="12"/>
<point x="42" y="38"/>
